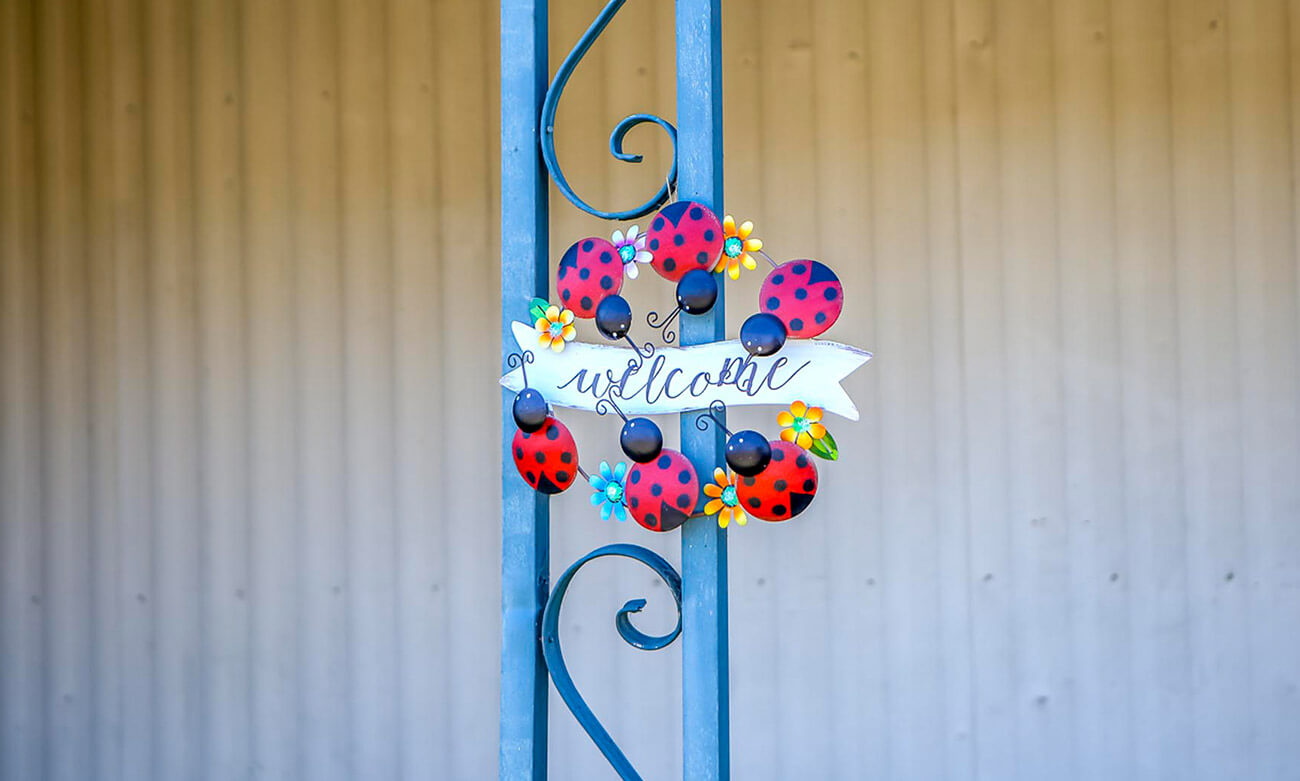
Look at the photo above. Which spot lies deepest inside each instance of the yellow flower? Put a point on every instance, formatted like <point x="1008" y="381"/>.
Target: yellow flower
<point x="736" y="247"/>
<point x="555" y="328"/>
<point x="801" y="425"/>
<point x="723" y="499"/>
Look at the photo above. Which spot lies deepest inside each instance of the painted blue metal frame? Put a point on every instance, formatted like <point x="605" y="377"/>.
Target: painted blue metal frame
<point x="706" y="719"/>
<point x="530" y="620"/>
<point x="525" y="513"/>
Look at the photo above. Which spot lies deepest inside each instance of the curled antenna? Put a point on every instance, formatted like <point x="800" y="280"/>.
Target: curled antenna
<point x="641" y="357"/>
<point x="715" y="412"/>
<point x="605" y="404"/>
<point x="652" y="320"/>
<point x="519" y="361"/>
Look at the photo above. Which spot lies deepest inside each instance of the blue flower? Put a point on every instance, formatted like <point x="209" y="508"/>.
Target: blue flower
<point x="608" y="491"/>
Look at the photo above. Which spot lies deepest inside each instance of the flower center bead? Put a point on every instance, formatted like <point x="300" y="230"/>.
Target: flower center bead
<point x="801" y="425"/>
<point x="614" y="493"/>
<point x="732" y="246"/>
<point x="557" y="329"/>
<point x="729" y="496"/>
<point x="627" y="252"/>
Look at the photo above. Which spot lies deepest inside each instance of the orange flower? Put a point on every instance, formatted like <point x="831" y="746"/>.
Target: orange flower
<point x="723" y="499"/>
<point x="555" y="328"/>
<point x="801" y="425"/>
<point x="736" y="247"/>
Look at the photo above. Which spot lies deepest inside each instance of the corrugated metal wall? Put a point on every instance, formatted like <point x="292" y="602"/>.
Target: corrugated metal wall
<point x="247" y="322"/>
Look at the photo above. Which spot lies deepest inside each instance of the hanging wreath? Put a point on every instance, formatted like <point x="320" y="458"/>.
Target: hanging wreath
<point x="775" y="360"/>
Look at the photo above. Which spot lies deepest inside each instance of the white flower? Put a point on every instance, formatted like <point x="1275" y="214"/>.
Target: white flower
<point x="631" y="249"/>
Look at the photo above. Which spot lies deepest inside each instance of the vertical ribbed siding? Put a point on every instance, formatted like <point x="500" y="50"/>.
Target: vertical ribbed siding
<point x="247" y="303"/>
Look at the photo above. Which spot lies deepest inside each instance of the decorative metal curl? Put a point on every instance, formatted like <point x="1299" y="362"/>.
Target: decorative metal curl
<point x="552" y="102"/>
<point x="714" y="414"/>
<point x="641" y="357"/>
<point x="605" y="404"/>
<point x="652" y="319"/>
<point x="631" y="635"/>
<point x="518" y="361"/>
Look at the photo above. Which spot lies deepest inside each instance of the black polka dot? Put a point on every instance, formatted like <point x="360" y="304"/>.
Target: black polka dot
<point x="552" y="432"/>
<point x="684" y="476"/>
<point x="564" y="269"/>
<point x="664" y="461"/>
<point x="565" y="293"/>
<point x="796" y="324"/>
<point x="748" y="481"/>
<point x="656" y="490"/>
<point x="669" y="264"/>
<point x="820" y="318"/>
<point x="778" y="454"/>
<point x="702" y="258"/>
<point x="697" y="213"/>
<point x="809" y="486"/>
<point x="587" y="245"/>
<point x="654" y="244"/>
<point x="540" y="457"/>
<point x="606" y="283"/>
<point x="830" y="293"/>
<point x="566" y="457"/>
<point x="527" y="434"/>
<point x="801" y="293"/>
<point x="585" y="302"/>
<point x="519" y="454"/>
<point x="634" y="502"/>
<point x="798" y="270"/>
<point x="605" y="257"/>
<point x="708" y="235"/>
<point x="778" y="510"/>
<point x="679" y="239"/>
<point x="532" y="478"/>
<point x="659" y="223"/>
<point x="773" y="303"/>
<point x="801" y="461"/>
<point x="780" y="485"/>
<point x="562" y="476"/>
<point x="635" y="477"/>
<point x="683" y="501"/>
<point x="651" y="520"/>
<point x="779" y="279"/>
<point x="755" y="502"/>
<point x="584" y="273"/>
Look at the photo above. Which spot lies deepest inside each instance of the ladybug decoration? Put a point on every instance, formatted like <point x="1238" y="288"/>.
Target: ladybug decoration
<point x="684" y="235"/>
<point x="661" y="494"/>
<point x="804" y="295"/>
<point x="590" y="270"/>
<point x="773" y="480"/>
<point x="548" y="457"/>
<point x="782" y="490"/>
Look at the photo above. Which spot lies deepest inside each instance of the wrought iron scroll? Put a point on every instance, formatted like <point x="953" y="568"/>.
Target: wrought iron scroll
<point x="634" y="637"/>
<point x="615" y="138"/>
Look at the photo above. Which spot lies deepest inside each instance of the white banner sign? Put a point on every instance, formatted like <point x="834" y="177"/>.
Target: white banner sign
<point x="677" y="379"/>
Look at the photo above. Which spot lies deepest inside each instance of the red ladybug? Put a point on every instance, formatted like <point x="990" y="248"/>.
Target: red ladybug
<point x="662" y="493"/>
<point x="589" y="271"/>
<point x="548" y="457"/>
<point x="805" y="295"/>
<point x="684" y="235"/>
<point x="784" y="488"/>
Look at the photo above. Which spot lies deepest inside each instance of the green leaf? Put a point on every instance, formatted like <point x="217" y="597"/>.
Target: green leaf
<point x="537" y="309"/>
<point x="826" y="448"/>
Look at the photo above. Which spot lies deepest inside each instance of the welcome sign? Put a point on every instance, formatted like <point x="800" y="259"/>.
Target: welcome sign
<point x="677" y="379"/>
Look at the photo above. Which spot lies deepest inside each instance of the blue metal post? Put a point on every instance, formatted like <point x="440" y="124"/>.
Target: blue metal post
<point x="525" y="513"/>
<point x="706" y="719"/>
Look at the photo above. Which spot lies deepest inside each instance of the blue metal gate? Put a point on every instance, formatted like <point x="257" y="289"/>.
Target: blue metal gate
<point x="530" y="610"/>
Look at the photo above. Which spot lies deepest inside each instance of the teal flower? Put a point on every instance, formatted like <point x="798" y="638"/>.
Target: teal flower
<point x="608" y="491"/>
